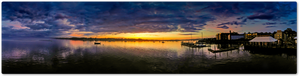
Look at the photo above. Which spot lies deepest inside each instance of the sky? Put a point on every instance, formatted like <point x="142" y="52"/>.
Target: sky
<point x="145" y="20"/>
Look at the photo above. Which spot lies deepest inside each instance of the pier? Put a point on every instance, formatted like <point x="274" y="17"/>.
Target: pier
<point x="272" y="48"/>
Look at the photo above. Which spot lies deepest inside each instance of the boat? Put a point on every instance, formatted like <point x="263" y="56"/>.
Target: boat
<point x="200" y="44"/>
<point x="162" y="42"/>
<point x="189" y="44"/>
<point x="221" y="50"/>
<point x="97" y="43"/>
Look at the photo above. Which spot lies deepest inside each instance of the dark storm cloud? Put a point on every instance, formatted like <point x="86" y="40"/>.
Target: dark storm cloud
<point x="283" y="23"/>
<point x="270" y="23"/>
<point x="33" y="11"/>
<point x="224" y="25"/>
<point x="222" y="8"/>
<point x="240" y="17"/>
<point x="9" y="32"/>
<point x="293" y="21"/>
<point x="61" y="16"/>
<point x="39" y="26"/>
<point x="245" y="20"/>
<point x="270" y="26"/>
<point x="261" y="16"/>
<point x="132" y="17"/>
<point x="188" y="34"/>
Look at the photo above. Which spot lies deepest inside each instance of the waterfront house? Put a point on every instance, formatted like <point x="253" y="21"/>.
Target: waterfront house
<point x="262" y="40"/>
<point x="222" y="36"/>
<point x="255" y="34"/>
<point x="250" y="35"/>
<point x="280" y="35"/>
<point x="229" y="36"/>
<point x="268" y="44"/>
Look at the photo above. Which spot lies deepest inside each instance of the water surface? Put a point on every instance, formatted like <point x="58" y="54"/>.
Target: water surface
<point x="75" y="56"/>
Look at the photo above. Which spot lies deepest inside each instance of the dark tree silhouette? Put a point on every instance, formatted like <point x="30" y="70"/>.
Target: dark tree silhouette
<point x="290" y="34"/>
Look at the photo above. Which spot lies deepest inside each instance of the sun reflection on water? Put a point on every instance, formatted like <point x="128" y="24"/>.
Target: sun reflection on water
<point x="172" y="50"/>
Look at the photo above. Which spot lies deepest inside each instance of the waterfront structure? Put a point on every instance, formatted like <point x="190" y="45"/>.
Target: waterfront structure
<point x="236" y="36"/>
<point x="262" y="40"/>
<point x="250" y="35"/>
<point x="269" y="44"/>
<point x="255" y="34"/>
<point x="222" y="36"/>
<point x="280" y="35"/>
<point x="229" y="36"/>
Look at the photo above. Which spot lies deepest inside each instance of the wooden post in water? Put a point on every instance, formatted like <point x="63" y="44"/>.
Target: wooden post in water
<point x="202" y="51"/>
<point x="227" y="54"/>
<point x="215" y="56"/>
<point x="96" y="49"/>
<point x="215" y="48"/>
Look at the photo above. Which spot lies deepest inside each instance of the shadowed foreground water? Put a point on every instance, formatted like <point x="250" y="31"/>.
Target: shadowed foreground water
<point x="73" y="56"/>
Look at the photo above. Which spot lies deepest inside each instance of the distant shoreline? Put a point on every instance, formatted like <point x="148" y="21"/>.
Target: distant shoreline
<point x="114" y="39"/>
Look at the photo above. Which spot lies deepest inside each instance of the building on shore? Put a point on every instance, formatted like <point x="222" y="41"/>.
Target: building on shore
<point x="255" y="34"/>
<point x="263" y="40"/>
<point x="250" y="35"/>
<point x="222" y="36"/>
<point x="280" y="35"/>
<point x="229" y="36"/>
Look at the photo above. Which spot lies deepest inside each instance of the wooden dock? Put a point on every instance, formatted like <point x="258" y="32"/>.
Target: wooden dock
<point x="193" y="45"/>
<point x="272" y="49"/>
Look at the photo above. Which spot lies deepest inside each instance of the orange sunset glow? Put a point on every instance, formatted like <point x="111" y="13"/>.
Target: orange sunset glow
<point x="156" y="36"/>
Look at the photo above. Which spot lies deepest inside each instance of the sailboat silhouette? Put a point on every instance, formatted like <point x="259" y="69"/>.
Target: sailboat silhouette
<point x="201" y="45"/>
<point x="96" y="42"/>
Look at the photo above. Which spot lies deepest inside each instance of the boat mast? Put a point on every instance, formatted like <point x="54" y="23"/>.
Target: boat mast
<point x="191" y="37"/>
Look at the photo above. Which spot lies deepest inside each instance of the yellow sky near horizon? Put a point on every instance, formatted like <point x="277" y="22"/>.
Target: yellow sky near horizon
<point x="155" y="35"/>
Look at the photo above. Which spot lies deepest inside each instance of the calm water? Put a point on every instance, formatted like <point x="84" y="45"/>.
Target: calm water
<point x="74" y="56"/>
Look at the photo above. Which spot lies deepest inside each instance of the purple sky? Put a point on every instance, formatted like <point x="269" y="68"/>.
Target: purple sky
<point x="124" y="19"/>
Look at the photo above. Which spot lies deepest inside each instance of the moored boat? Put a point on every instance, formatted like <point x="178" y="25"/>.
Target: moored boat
<point x="221" y="50"/>
<point x="97" y="43"/>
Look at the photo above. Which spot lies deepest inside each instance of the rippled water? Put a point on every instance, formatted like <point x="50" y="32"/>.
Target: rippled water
<point x="75" y="56"/>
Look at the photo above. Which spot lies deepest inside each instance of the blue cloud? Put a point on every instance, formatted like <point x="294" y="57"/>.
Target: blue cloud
<point x="223" y="27"/>
<point x="270" y="26"/>
<point x="293" y="21"/>
<point x="261" y="16"/>
<point x="270" y="23"/>
<point x="240" y="17"/>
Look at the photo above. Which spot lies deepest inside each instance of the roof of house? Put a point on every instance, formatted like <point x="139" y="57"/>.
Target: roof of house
<point x="263" y="39"/>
